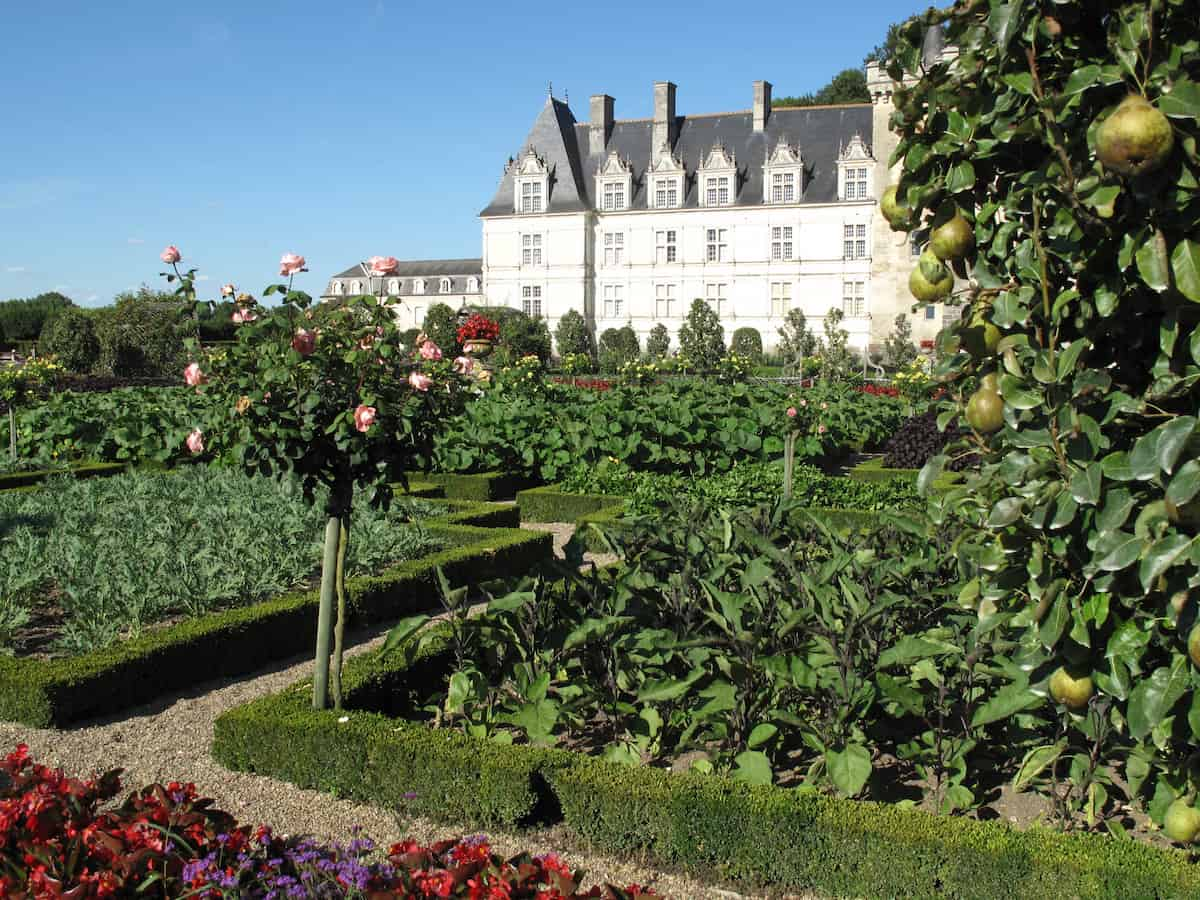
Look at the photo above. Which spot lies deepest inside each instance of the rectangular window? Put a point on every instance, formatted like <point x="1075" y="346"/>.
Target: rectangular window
<point x="931" y="312"/>
<point x="614" y="195"/>
<point x="781" y="242"/>
<point x="783" y="187"/>
<point x="531" y="249"/>
<point x="714" y="295"/>
<point x="531" y="197"/>
<point x="781" y="297"/>
<point x="854" y="241"/>
<point x="614" y="295"/>
<point x="666" y="193"/>
<point x="531" y="300"/>
<point x="664" y="300"/>
<point x="854" y="301"/>
<point x="716" y="191"/>
<point x="916" y="242"/>
<point x="614" y="247"/>
<point x="717" y="246"/>
<point x="856" y="184"/>
<point x="665" y="248"/>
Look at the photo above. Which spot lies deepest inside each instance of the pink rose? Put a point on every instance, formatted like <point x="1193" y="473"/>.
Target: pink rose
<point x="171" y="255"/>
<point x="193" y="376"/>
<point x="420" y="381"/>
<point x="227" y="290"/>
<point x="804" y="403"/>
<point x="304" y="342"/>
<point x="382" y="265"/>
<point x="791" y="411"/>
<point x="242" y="316"/>
<point x="364" y="417"/>
<point x="430" y="350"/>
<point x="195" y="442"/>
<point x="290" y="264"/>
<point x="821" y="429"/>
<point x="463" y="365"/>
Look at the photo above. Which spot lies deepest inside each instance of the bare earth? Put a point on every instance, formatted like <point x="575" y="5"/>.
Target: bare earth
<point x="169" y="740"/>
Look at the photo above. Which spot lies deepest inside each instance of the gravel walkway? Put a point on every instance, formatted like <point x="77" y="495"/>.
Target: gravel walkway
<point x="169" y="740"/>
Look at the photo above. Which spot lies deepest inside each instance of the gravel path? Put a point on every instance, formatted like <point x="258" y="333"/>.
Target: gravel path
<point x="169" y="740"/>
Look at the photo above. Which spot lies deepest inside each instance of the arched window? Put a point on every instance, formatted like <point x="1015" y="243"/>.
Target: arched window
<point x="337" y="287"/>
<point x="445" y="286"/>
<point x="472" y="285"/>
<point x="356" y="287"/>
<point x="394" y="286"/>
<point x="419" y="286"/>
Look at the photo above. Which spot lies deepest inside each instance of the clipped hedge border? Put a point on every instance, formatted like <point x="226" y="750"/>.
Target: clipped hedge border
<point x="419" y="489"/>
<point x="873" y="470"/>
<point x="79" y="470"/>
<point x="709" y="825"/>
<point x="57" y="692"/>
<point x="476" y="486"/>
<point x="552" y="504"/>
<point x="481" y="515"/>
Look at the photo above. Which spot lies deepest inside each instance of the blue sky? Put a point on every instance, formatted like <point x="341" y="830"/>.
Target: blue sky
<point x="244" y="130"/>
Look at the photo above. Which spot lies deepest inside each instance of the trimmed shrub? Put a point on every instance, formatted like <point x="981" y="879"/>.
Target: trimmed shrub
<point x="701" y="337"/>
<point x="441" y="327"/>
<point x="24" y="320"/>
<point x="658" y="342"/>
<point x="747" y="342"/>
<point x="572" y="335"/>
<point x="143" y="335"/>
<point x="71" y="338"/>
<point x="617" y="347"/>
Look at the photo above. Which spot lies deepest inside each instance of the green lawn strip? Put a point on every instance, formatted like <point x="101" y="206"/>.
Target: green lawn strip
<point x="712" y="826"/>
<point x="235" y="641"/>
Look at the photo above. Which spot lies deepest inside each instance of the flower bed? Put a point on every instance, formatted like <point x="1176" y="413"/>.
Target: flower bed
<point x="234" y="641"/>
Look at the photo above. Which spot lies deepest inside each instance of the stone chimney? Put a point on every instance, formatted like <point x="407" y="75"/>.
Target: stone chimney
<point x="601" y="124"/>
<point x="663" y="134"/>
<point x="762" y="104"/>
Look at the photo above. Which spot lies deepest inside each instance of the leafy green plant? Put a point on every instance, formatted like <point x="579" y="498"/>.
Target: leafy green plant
<point x="747" y="342"/>
<point x="796" y="342"/>
<point x="441" y="327"/>
<point x="701" y="337"/>
<point x="658" y="342"/>
<point x="572" y="335"/>
<point x="70" y="337"/>
<point x="618" y="346"/>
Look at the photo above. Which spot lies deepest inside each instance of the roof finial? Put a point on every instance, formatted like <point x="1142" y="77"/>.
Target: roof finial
<point x="550" y="89"/>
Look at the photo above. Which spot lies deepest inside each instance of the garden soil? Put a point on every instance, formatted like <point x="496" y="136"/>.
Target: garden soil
<point x="170" y="739"/>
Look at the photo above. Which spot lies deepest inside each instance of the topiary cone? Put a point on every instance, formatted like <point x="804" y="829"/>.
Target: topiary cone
<point x="1137" y="138"/>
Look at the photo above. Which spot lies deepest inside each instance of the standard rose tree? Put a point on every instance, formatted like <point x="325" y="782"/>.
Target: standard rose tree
<point x="328" y="394"/>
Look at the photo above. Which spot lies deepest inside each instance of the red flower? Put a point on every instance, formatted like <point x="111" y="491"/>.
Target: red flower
<point x="478" y="328"/>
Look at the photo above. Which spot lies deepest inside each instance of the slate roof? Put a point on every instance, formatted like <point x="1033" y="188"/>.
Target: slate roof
<point x="432" y="270"/>
<point x="819" y="131"/>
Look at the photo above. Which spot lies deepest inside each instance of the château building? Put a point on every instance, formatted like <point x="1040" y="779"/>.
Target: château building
<point x="758" y="212"/>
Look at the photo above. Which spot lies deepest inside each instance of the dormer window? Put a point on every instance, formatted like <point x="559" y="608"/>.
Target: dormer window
<point x="419" y="286"/>
<point x="531" y="184"/>
<point x="718" y="178"/>
<point x="783" y="175"/>
<point x="472" y="285"/>
<point x="394" y="286"/>
<point x="614" y="183"/>
<point x="356" y="288"/>
<point x="666" y="181"/>
<point x="855" y="164"/>
<point x="337" y="288"/>
<point x="445" y="286"/>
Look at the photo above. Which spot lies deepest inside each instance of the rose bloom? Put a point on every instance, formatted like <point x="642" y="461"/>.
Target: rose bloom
<point x="804" y="403"/>
<point x="291" y="263"/>
<point x="791" y="411"/>
<point x="821" y="429"/>
<point x="420" y="381"/>
<point x="243" y="316"/>
<point x="192" y="375"/>
<point x="463" y="365"/>
<point x="304" y="342"/>
<point x="171" y="255"/>
<point x="364" y="417"/>
<point x="242" y="404"/>
<point x="195" y="441"/>
<point x="382" y="265"/>
<point x="227" y="290"/>
<point x="430" y="350"/>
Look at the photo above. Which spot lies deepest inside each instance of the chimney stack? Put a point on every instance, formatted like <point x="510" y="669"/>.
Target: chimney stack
<point x="601" y="124"/>
<point x="762" y="104"/>
<point x="664" y="131"/>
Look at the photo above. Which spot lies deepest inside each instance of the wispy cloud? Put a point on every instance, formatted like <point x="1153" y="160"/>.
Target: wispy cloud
<point x="15" y="269"/>
<point x="134" y="241"/>
<point x="35" y="192"/>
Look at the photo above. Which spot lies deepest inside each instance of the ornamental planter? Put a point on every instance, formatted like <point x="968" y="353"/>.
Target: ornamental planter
<point x="477" y="348"/>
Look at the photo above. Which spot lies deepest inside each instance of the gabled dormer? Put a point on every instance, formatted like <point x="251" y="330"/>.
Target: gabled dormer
<point x="531" y="183"/>
<point x="614" y="183"/>
<point x="666" y="176"/>
<point x="855" y="164"/>
<point x="717" y="177"/>
<point x="783" y="174"/>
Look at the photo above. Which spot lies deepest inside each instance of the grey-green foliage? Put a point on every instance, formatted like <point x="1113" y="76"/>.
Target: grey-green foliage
<point x="572" y="335"/>
<point x="796" y="341"/>
<point x="658" y="342"/>
<point x="898" y="349"/>
<point x="115" y="555"/>
<point x="701" y="337"/>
